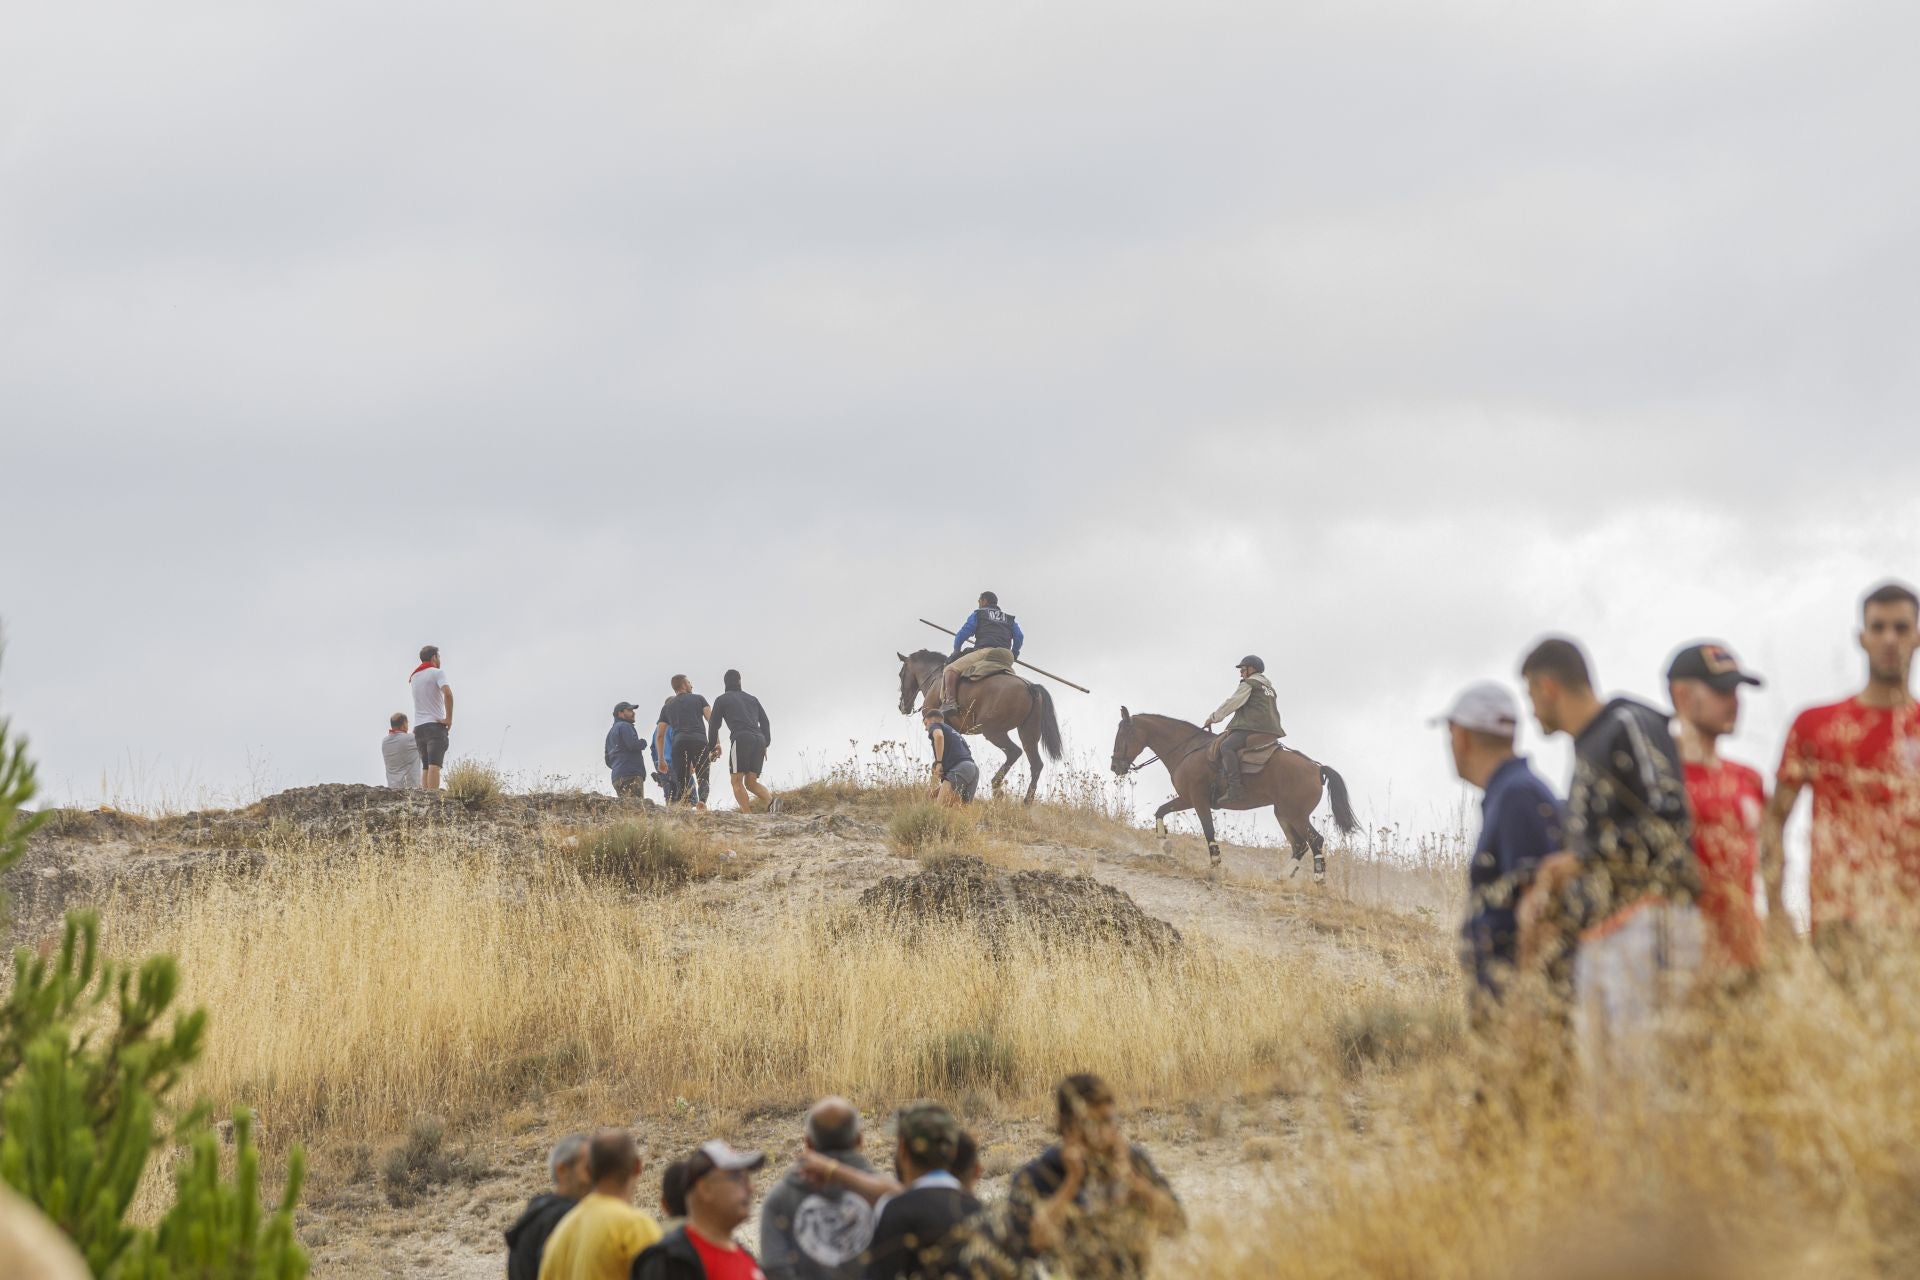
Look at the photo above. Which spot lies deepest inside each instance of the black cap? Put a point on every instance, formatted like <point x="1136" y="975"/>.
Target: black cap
<point x="1251" y="661"/>
<point x="618" y="707"/>
<point x="1713" y="663"/>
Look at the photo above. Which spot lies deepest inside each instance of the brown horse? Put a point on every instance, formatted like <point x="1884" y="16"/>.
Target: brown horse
<point x="993" y="707"/>
<point x="1290" y="782"/>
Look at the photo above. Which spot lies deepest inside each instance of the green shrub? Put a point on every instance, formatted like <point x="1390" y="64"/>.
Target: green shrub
<point x="924" y="827"/>
<point x="474" y="784"/>
<point x="963" y="1060"/>
<point x="214" y="1228"/>
<point x="422" y="1163"/>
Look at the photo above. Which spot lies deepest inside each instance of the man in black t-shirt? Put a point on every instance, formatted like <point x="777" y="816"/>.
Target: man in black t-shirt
<point x="1627" y="882"/>
<point x="955" y="775"/>
<point x="685" y="715"/>
<point x="752" y="732"/>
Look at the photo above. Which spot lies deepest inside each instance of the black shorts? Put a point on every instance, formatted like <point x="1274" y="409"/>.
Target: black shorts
<point x="749" y="753"/>
<point x="432" y="741"/>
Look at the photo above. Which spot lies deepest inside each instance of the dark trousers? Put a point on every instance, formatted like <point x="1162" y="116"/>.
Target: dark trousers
<point x="632" y="787"/>
<point x="689" y="778"/>
<point x="1230" y="748"/>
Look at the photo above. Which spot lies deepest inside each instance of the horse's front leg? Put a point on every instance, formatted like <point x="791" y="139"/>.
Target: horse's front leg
<point x="1205" y="814"/>
<point x="1174" y="805"/>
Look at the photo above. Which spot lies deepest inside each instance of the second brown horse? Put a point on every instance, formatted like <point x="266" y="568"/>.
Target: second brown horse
<point x="1290" y="782"/>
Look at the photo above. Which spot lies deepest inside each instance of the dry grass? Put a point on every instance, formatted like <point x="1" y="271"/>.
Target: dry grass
<point x="355" y="992"/>
<point x="1776" y="1137"/>
<point x="646" y="853"/>
<point x="474" y="784"/>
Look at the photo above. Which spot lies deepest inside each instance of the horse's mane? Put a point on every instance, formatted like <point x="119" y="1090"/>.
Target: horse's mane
<point x="918" y="654"/>
<point x="1172" y="721"/>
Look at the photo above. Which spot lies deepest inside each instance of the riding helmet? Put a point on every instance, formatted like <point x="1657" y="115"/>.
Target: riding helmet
<point x="1251" y="661"/>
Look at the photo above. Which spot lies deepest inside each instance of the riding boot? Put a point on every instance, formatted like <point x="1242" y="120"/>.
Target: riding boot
<point x="1236" y="787"/>
<point x="949" y="691"/>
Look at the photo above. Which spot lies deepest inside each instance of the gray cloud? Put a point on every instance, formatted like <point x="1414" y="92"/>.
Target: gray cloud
<point x="597" y="342"/>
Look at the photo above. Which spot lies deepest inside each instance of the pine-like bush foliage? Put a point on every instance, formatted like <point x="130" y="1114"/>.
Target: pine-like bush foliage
<point x="89" y="1061"/>
<point x="215" y="1230"/>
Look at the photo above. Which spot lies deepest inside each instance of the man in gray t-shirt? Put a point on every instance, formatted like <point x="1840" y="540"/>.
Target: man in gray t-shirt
<point x="401" y="753"/>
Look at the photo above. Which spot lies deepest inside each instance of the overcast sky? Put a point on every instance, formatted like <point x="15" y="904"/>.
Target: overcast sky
<point x="595" y="342"/>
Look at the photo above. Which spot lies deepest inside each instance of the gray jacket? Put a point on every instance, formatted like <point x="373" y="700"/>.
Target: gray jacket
<point x="816" y="1233"/>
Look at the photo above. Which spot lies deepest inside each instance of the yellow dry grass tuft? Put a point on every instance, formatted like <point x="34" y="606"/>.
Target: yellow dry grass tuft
<point x="474" y="784"/>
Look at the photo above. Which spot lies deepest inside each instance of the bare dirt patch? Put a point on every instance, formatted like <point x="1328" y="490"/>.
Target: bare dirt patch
<point x="1058" y="908"/>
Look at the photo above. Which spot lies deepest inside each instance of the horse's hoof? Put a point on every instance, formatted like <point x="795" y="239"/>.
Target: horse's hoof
<point x="1166" y="848"/>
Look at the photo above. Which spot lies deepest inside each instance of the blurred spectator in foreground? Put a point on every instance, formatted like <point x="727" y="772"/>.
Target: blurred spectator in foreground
<point x="966" y="1163"/>
<point x="527" y="1238"/>
<point x="673" y="1194"/>
<point x="719" y="1196"/>
<point x="817" y="1229"/>
<point x="1092" y="1204"/>
<point x="605" y="1232"/>
<point x="910" y="1238"/>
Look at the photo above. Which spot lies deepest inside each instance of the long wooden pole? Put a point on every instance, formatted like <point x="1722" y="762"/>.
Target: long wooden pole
<point x="1028" y="665"/>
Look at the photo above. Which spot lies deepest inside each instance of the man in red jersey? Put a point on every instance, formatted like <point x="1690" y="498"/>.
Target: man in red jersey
<point x="1727" y="798"/>
<point x="1861" y="758"/>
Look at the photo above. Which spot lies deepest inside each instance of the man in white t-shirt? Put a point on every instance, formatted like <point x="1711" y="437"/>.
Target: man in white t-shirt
<point x="401" y="753"/>
<point x="432" y="713"/>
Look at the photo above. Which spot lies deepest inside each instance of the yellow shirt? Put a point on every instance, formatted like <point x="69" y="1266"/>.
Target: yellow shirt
<point x="597" y="1240"/>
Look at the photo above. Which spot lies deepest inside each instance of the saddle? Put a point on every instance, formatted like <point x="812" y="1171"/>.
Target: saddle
<point x="1260" y="748"/>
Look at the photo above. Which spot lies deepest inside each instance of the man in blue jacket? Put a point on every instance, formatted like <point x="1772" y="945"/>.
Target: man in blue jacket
<point x="626" y="754"/>
<point x="997" y="640"/>
<point x="1520" y="823"/>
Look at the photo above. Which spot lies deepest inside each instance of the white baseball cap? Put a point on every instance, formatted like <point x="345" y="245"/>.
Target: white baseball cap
<point x="1487" y="707"/>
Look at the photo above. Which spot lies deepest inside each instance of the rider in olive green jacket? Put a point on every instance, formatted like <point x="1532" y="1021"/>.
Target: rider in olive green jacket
<point x="1255" y="709"/>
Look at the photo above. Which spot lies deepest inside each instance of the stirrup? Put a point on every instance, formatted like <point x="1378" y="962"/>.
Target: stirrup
<point x="949" y="708"/>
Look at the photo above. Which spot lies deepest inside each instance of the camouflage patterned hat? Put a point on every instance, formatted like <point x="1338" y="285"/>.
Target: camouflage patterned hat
<point x="931" y="1133"/>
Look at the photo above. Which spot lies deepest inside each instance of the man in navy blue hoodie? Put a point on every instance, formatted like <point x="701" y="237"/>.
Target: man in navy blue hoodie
<point x="626" y="753"/>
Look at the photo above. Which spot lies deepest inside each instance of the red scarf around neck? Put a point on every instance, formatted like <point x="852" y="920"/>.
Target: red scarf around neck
<point x="417" y="670"/>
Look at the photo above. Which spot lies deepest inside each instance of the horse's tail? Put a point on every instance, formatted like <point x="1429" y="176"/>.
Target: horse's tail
<point x="1342" y="807"/>
<point x="1049" y="723"/>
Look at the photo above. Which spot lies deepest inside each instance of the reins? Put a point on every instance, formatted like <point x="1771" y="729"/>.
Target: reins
<point x="1155" y="758"/>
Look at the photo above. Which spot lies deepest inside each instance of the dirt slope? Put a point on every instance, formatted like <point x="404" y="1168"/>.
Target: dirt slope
<point x="1215" y="1154"/>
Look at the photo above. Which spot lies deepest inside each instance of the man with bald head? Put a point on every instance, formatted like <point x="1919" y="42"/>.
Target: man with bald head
<point x="811" y="1231"/>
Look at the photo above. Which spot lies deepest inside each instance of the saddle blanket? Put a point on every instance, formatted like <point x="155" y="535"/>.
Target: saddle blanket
<point x="1253" y="757"/>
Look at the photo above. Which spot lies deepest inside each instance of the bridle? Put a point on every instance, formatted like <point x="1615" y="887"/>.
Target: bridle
<point x="928" y="685"/>
<point x="1155" y="759"/>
